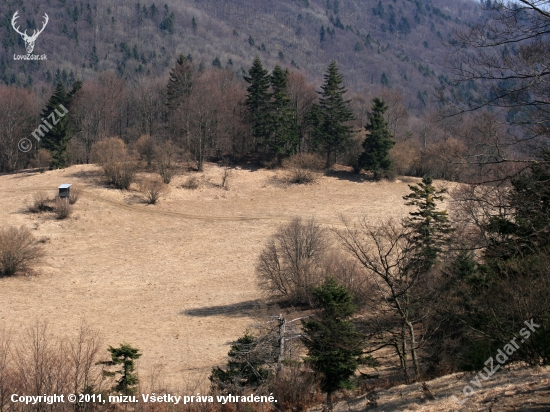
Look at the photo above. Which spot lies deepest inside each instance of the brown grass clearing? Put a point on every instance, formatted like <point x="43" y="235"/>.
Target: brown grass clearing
<point x="148" y="276"/>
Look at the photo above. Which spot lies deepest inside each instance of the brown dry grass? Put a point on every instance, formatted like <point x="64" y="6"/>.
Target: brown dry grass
<point x="176" y="281"/>
<point x="512" y="389"/>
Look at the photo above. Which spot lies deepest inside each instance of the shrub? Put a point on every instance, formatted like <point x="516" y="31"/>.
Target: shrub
<point x="191" y="183"/>
<point x="352" y="151"/>
<point x="226" y="174"/>
<point x="289" y="266"/>
<point x="153" y="189"/>
<point x="349" y="274"/>
<point x="75" y="194"/>
<point x="403" y="156"/>
<point x="18" y="250"/>
<point x="40" y="362"/>
<point x="118" y="165"/>
<point x="62" y="208"/>
<point x="296" y="388"/>
<point x="145" y="148"/>
<point x="303" y="167"/>
<point x="165" y="161"/>
<point x="41" y="203"/>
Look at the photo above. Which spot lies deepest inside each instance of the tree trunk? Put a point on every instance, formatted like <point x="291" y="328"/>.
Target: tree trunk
<point x="329" y="152"/>
<point x="404" y="349"/>
<point x="330" y="406"/>
<point x="413" y="350"/>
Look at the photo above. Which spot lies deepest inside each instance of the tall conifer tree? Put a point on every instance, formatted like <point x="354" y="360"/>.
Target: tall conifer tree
<point x="331" y="116"/>
<point x="282" y="123"/>
<point x="257" y="100"/>
<point x="431" y="227"/>
<point x="335" y="348"/>
<point x="180" y="83"/>
<point x="57" y="138"/>
<point x="375" y="157"/>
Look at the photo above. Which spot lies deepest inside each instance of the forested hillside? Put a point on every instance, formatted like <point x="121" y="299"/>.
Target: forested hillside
<point x="394" y="44"/>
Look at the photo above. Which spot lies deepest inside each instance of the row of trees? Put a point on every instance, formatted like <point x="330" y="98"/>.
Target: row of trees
<point x="212" y="113"/>
<point x="282" y="129"/>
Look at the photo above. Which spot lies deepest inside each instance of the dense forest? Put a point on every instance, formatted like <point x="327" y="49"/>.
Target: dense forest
<point x="398" y="44"/>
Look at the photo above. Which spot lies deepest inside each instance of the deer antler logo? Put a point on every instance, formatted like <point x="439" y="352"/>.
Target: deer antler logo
<point x="29" y="40"/>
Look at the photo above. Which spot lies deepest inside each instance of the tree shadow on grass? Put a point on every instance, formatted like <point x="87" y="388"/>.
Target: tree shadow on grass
<point x="249" y="308"/>
<point x="349" y="176"/>
<point x="90" y="176"/>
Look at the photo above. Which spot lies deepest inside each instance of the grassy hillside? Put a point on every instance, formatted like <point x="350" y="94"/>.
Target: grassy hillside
<point x="177" y="279"/>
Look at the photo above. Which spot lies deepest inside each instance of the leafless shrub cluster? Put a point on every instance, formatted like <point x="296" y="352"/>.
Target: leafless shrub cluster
<point x="145" y="148"/>
<point x="41" y="203"/>
<point x="63" y="208"/>
<point x="303" y="167"/>
<point x="74" y="195"/>
<point x="296" y="388"/>
<point x="299" y="256"/>
<point x="226" y="174"/>
<point x="404" y="156"/>
<point x="353" y="150"/>
<point x="117" y="163"/>
<point x="153" y="189"/>
<point x="165" y="160"/>
<point x="41" y="364"/>
<point x="349" y="274"/>
<point x="191" y="183"/>
<point x="19" y="250"/>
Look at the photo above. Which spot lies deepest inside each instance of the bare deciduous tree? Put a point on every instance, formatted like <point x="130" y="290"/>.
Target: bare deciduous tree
<point x="18" y="117"/>
<point x="289" y="266"/>
<point x="399" y="293"/>
<point x="97" y="111"/>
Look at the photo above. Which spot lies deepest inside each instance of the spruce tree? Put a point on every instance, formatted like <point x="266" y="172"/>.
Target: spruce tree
<point x="245" y="368"/>
<point x="525" y="231"/>
<point x="335" y="348"/>
<point x="283" y="137"/>
<point x="58" y="136"/>
<point x="257" y="100"/>
<point x="331" y="116"/>
<point x="124" y="355"/>
<point x="180" y="83"/>
<point x="430" y="227"/>
<point x="379" y="141"/>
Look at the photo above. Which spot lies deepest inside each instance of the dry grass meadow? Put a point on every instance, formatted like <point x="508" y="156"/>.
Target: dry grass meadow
<point x="176" y="279"/>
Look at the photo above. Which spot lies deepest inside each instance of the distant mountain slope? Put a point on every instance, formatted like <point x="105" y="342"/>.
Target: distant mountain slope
<point x="395" y="43"/>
